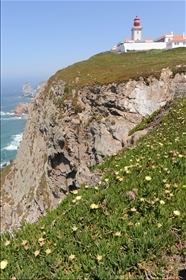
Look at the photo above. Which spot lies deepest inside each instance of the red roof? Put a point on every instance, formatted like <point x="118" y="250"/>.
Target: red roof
<point x="178" y="38"/>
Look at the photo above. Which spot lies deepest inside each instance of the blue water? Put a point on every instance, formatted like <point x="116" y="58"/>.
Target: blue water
<point x="12" y="126"/>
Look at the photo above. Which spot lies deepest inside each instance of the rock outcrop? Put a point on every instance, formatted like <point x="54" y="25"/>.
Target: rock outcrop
<point x="66" y="134"/>
<point x="22" y="108"/>
<point x="30" y="92"/>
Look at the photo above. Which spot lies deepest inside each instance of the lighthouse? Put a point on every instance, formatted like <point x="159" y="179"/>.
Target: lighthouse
<point x="136" y="30"/>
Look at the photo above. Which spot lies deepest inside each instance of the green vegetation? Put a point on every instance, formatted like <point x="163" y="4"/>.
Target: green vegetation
<point x="4" y="172"/>
<point x="132" y="225"/>
<point x="108" y="67"/>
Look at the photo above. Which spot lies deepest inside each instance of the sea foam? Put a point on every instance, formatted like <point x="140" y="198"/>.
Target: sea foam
<point x="6" y="113"/>
<point x="16" y="139"/>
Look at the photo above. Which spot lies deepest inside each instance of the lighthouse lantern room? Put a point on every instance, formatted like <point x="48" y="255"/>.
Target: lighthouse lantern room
<point x="137" y="30"/>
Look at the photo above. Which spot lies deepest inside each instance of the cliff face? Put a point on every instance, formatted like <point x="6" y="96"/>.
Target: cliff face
<point x="69" y="132"/>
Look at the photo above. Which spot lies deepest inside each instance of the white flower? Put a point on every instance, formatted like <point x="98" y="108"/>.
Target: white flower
<point x="71" y="257"/>
<point x="75" y="192"/>
<point x="3" y="264"/>
<point x="162" y="202"/>
<point x="148" y="178"/>
<point x="74" y="228"/>
<point x="99" y="258"/>
<point x="36" y="253"/>
<point x="118" y="233"/>
<point x="176" y="212"/>
<point x="94" y="206"/>
<point x="48" y="251"/>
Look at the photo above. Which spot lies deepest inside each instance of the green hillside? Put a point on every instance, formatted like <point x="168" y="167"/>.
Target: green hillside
<point x="109" y="67"/>
<point x="132" y="225"/>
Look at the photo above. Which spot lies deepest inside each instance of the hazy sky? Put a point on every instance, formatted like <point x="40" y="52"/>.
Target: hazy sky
<point x="40" y="37"/>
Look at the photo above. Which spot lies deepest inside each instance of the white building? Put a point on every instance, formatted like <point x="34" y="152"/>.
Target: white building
<point x="136" y="43"/>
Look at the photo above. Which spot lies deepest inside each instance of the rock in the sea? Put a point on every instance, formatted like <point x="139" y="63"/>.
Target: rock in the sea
<point x="22" y="108"/>
<point x="28" y="91"/>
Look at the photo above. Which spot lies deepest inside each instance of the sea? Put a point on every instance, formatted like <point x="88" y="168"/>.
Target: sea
<point x="12" y="126"/>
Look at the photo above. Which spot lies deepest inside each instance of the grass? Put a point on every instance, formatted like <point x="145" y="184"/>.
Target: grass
<point x="132" y="225"/>
<point x="108" y="67"/>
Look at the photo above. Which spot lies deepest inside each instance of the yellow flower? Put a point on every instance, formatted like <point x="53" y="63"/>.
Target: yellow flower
<point x="142" y="199"/>
<point x="159" y="225"/>
<point x="96" y="188"/>
<point x="24" y="242"/>
<point x="26" y="247"/>
<point x="94" y="206"/>
<point x="86" y="186"/>
<point x="74" y="228"/>
<point x="48" y="251"/>
<point x="78" y="197"/>
<point x="167" y="191"/>
<point x="99" y="258"/>
<point x="162" y="202"/>
<point x="118" y="233"/>
<point x="75" y="192"/>
<point x="133" y="209"/>
<point x="176" y="213"/>
<point x="71" y="257"/>
<point x="184" y="186"/>
<point x="106" y="180"/>
<point x="148" y="178"/>
<point x="3" y="264"/>
<point x="7" y="242"/>
<point x="36" y="253"/>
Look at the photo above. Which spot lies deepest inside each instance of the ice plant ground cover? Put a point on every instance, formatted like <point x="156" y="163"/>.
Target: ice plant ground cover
<point x="108" y="67"/>
<point x="103" y="233"/>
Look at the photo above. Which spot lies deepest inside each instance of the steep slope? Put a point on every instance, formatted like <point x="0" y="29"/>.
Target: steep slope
<point x="75" y="123"/>
<point x="131" y="225"/>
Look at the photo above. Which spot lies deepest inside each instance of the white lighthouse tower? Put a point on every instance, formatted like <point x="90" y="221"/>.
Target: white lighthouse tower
<point x="136" y="30"/>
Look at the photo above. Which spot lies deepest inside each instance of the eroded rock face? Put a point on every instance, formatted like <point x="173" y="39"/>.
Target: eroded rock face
<point x="64" y="137"/>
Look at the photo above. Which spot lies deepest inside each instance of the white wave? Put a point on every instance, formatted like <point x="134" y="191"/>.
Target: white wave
<point x="4" y="164"/>
<point x="16" y="139"/>
<point x="6" y="113"/>
<point x="11" y="118"/>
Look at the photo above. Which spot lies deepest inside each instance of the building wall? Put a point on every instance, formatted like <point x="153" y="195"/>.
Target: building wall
<point x="172" y="45"/>
<point x="141" y="46"/>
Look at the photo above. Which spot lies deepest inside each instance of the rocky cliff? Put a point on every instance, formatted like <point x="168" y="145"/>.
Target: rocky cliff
<point x="68" y="132"/>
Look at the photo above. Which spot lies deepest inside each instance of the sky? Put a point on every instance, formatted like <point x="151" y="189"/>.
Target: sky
<point x="40" y="37"/>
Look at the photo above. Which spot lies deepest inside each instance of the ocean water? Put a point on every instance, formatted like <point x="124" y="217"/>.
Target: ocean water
<point x="12" y="126"/>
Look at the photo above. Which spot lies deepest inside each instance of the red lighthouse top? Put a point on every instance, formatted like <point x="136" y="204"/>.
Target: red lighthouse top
<point x="137" y="21"/>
